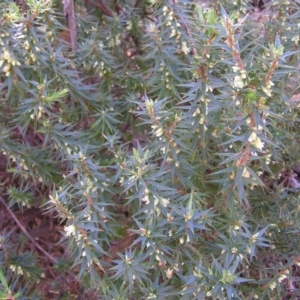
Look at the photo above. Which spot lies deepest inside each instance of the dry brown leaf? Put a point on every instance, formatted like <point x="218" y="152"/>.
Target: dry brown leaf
<point x="242" y="161"/>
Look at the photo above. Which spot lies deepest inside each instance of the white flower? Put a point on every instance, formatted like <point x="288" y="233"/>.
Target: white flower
<point x="165" y="9"/>
<point x="169" y="273"/>
<point x="145" y="199"/>
<point x="164" y="202"/>
<point x="257" y="143"/>
<point x="245" y="173"/>
<point x="6" y="55"/>
<point x="185" y="49"/>
<point x="6" y="68"/>
<point x="234" y="250"/>
<point x="129" y="26"/>
<point x="243" y="74"/>
<point x="197" y="112"/>
<point x="163" y="150"/>
<point x="266" y="91"/>
<point x="252" y="137"/>
<point x="295" y="39"/>
<point x="159" y="132"/>
<point x="173" y="32"/>
<point x="272" y="285"/>
<point x="236" y="69"/>
<point x="254" y="237"/>
<point x="238" y="82"/>
<point x="16" y="269"/>
<point x="70" y="230"/>
<point x="282" y="277"/>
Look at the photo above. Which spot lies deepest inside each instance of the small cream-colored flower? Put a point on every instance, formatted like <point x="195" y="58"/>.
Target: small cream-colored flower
<point x="185" y="49"/>
<point x="16" y="269"/>
<point x="252" y="137"/>
<point x="6" y="69"/>
<point x="6" y="55"/>
<point x="236" y="69"/>
<point x="165" y="9"/>
<point x="282" y="277"/>
<point x="70" y="230"/>
<point x="246" y="173"/>
<point x="169" y="273"/>
<point x="197" y="112"/>
<point x="164" y="202"/>
<point x="295" y="39"/>
<point x="248" y="120"/>
<point x="159" y="132"/>
<point x="272" y="285"/>
<point x="129" y="26"/>
<point x="267" y="91"/>
<point x="238" y="82"/>
<point x="257" y="143"/>
<point x="234" y="250"/>
<point x="169" y="217"/>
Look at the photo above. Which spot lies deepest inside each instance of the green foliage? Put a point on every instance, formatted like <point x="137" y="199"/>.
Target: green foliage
<point x="181" y="116"/>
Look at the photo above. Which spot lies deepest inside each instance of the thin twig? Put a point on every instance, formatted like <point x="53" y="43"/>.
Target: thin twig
<point x="51" y="258"/>
<point x="69" y="12"/>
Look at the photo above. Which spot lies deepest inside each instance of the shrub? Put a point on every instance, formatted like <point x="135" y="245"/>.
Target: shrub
<point x="166" y="144"/>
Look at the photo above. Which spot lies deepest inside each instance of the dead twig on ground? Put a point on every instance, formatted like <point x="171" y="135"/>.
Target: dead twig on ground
<point x="35" y="244"/>
<point x="51" y="258"/>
